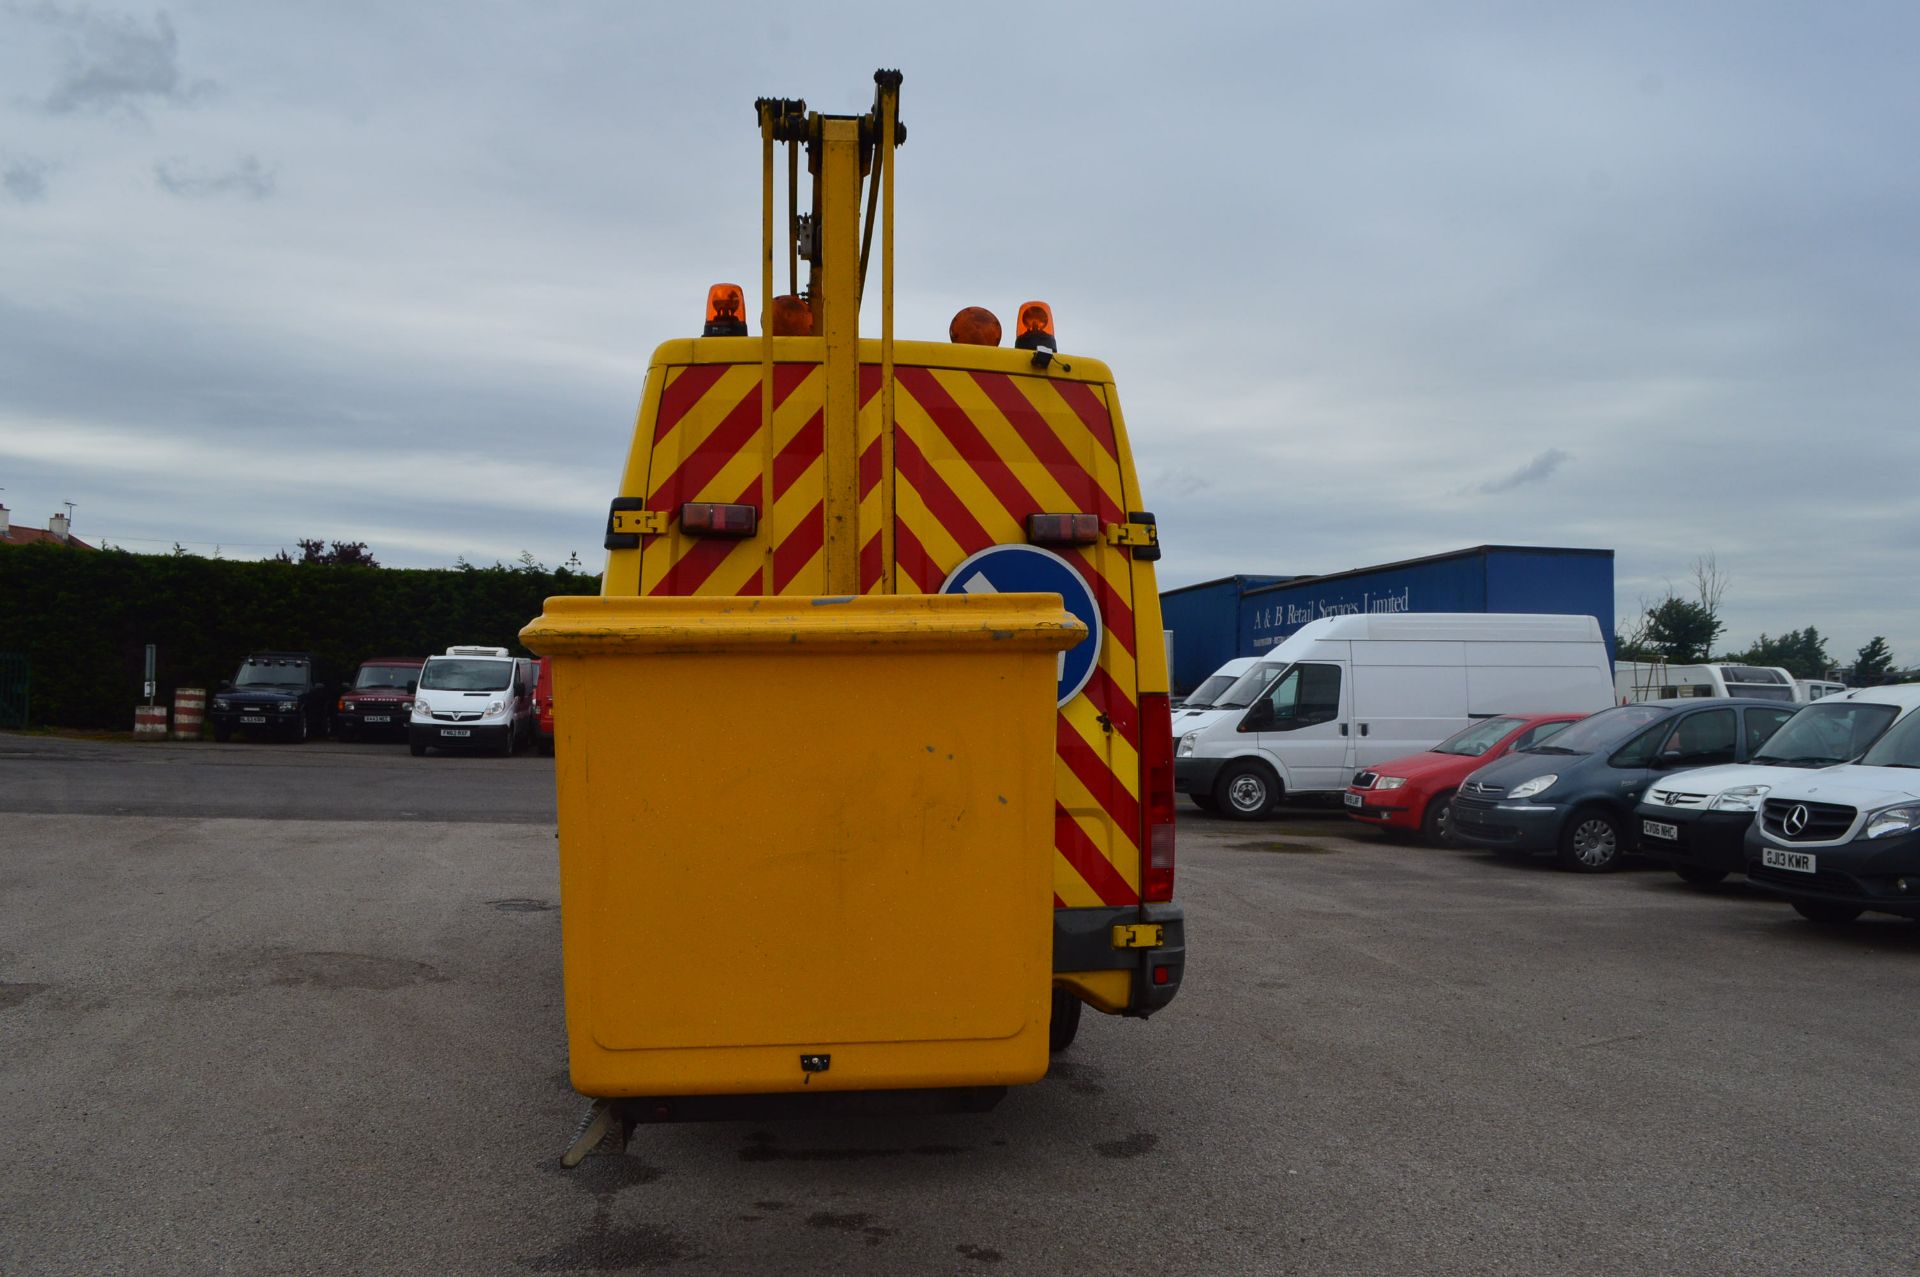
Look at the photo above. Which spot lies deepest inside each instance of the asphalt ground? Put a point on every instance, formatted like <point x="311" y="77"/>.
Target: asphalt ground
<point x="330" y="1040"/>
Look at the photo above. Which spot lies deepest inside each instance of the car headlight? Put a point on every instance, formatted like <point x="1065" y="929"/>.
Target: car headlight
<point x="422" y="710"/>
<point x="287" y="707"/>
<point x="406" y="707"/>
<point x="1538" y="785"/>
<point x="1185" y="749"/>
<point x="1739" y="798"/>
<point x="222" y="705"/>
<point x="1389" y="782"/>
<point x="1893" y="820"/>
<point x="494" y="707"/>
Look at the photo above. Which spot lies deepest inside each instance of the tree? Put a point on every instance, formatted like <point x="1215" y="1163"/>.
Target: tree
<point x="1681" y="631"/>
<point x="343" y="554"/>
<point x="1873" y="663"/>
<point x="1710" y="583"/>
<point x="1803" y="653"/>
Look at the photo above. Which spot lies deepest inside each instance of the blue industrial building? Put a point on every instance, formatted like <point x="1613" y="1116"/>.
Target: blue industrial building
<point x="1215" y="621"/>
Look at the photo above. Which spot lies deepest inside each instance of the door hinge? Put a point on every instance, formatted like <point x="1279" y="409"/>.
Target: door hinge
<point x="1140" y="534"/>
<point x="1139" y="935"/>
<point x="628" y="521"/>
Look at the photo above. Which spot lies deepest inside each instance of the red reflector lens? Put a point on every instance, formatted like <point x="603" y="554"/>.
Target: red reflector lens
<point x="1063" y="529"/>
<point x="713" y="519"/>
<point x="1156" y="797"/>
<point x="1162" y="974"/>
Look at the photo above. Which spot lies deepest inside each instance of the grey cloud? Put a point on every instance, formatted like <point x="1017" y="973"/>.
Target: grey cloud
<point x="1534" y="471"/>
<point x="115" y="61"/>
<point x="247" y="177"/>
<point x="25" y="180"/>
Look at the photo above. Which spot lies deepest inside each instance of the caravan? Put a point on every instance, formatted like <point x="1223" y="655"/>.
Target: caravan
<point x="1659" y="681"/>
<point x="1344" y="692"/>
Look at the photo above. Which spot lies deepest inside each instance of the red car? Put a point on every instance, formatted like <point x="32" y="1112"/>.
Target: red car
<point x="543" y="705"/>
<point x="1415" y="793"/>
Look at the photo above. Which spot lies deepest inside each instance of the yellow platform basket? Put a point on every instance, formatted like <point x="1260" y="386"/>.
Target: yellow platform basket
<point x="805" y="844"/>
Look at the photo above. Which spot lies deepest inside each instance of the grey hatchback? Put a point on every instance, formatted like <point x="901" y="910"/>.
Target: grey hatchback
<point x="1575" y="794"/>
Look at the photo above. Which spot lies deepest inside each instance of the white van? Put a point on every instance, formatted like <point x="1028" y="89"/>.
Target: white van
<point x="1345" y="692"/>
<point x="1660" y="681"/>
<point x="1813" y="689"/>
<point x="473" y="698"/>
<point x="1197" y="710"/>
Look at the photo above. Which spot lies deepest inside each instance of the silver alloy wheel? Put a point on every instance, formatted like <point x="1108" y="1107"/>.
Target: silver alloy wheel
<point x="1593" y="842"/>
<point x="1247" y="793"/>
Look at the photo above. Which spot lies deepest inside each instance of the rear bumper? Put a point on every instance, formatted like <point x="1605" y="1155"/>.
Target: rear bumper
<point x="1083" y="941"/>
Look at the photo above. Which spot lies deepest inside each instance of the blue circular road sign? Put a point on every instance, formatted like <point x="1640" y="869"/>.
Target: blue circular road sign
<point x="1028" y="569"/>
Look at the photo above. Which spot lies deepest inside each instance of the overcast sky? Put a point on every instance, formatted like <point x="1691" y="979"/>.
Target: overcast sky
<point x="1376" y="280"/>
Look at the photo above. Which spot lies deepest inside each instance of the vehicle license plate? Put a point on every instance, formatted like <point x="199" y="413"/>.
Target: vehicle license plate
<point x="379" y="718"/>
<point x="455" y="731"/>
<point x="253" y="718"/>
<point x="1355" y="800"/>
<point x="1654" y="829"/>
<point x="1798" y="861"/>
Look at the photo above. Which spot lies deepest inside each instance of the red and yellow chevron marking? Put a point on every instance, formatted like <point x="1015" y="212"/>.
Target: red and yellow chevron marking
<point x="974" y="453"/>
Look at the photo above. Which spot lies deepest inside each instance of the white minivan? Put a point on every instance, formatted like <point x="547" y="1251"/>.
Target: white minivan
<point x="473" y="698"/>
<point x="1344" y="692"/>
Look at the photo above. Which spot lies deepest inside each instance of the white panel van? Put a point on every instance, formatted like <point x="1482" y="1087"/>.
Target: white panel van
<point x="1344" y="692"/>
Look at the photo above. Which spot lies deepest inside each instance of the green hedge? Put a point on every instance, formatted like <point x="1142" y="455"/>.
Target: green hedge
<point x="84" y="620"/>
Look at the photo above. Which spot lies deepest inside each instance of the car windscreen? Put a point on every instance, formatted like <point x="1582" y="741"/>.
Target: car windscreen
<point x="1247" y="688"/>
<point x="1900" y="747"/>
<point x="1478" y="739"/>
<point x="1822" y="735"/>
<point x="458" y="675"/>
<point x="1603" y="730"/>
<point x="272" y="673"/>
<point x="1208" y="692"/>
<point x="385" y="676"/>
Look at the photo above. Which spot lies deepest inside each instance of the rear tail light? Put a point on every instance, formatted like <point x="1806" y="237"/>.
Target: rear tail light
<point x="1156" y="797"/>
<point x="714" y="519"/>
<point x="1063" y="529"/>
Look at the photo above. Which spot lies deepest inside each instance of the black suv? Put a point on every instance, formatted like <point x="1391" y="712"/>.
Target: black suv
<point x="284" y="694"/>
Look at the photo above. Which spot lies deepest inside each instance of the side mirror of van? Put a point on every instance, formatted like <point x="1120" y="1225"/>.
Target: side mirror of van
<point x="1259" y="715"/>
<point x="413" y="685"/>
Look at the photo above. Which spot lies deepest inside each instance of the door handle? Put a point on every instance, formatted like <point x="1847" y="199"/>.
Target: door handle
<point x="1363" y="728"/>
<point x="1343" y="729"/>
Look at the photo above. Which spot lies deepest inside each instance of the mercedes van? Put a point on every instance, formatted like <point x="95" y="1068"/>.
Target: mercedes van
<point x="1345" y="692"/>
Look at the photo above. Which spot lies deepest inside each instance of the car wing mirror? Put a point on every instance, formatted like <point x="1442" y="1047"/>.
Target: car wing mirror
<point x="413" y="685"/>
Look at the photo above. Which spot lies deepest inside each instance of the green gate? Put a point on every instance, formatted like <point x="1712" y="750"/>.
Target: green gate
<point x="13" y="689"/>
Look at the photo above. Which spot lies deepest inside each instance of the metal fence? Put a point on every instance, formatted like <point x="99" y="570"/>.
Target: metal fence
<point x="14" y="682"/>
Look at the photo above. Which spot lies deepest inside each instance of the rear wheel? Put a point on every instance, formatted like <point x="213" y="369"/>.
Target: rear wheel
<point x="1246" y="791"/>
<point x="1065" y="1022"/>
<point x="1827" y="913"/>
<point x="1591" y="843"/>
<point x="1699" y="875"/>
<point x="1436" y="826"/>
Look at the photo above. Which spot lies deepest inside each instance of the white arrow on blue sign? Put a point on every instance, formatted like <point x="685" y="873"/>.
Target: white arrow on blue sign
<point x="1028" y="569"/>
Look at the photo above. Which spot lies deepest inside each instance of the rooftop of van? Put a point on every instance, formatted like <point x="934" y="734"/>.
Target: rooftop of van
<point x="1459" y="627"/>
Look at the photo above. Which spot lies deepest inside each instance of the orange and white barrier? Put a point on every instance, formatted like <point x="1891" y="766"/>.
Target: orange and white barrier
<point x="150" y="720"/>
<point x="189" y="710"/>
